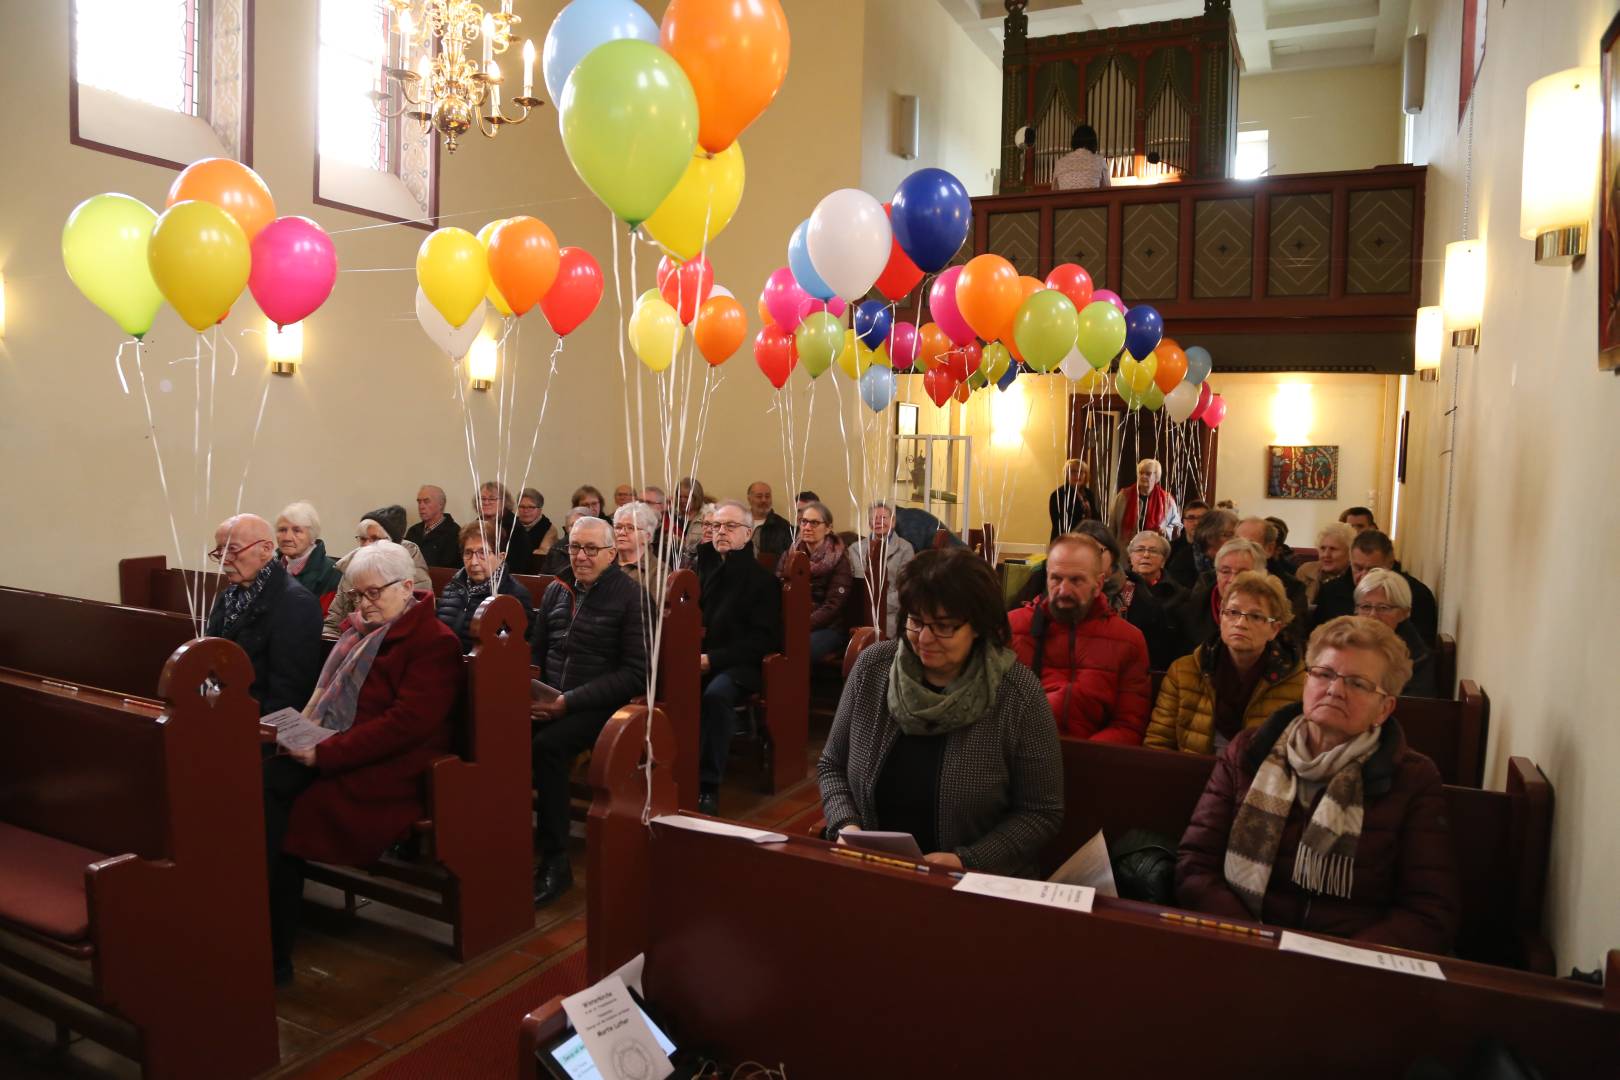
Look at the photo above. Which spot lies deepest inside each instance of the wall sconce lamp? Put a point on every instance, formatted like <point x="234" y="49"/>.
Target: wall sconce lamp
<point x="1430" y="342"/>
<point x="1009" y="415"/>
<point x="2" y="305"/>
<point x="1563" y="136"/>
<point x="1292" y="413"/>
<point x="481" y="363"/>
<point x="1462" y="291"/>
<point x="285" y="345"/>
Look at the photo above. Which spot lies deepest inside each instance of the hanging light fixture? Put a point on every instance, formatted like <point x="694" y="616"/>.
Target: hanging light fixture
<point x="1430" y="342"/>
<point x="1563" y="138"/>
<point x="1462" y="291"/>
<point x="285" y="346"/>
<point x="481" y="363"/>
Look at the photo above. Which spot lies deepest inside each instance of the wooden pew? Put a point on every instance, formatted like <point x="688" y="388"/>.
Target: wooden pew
<point x="782" y="709"/>
<point x="738" y="978"/>
<point x="1452" y="733"/>
<point x="46" y="634"/>
<point x="1445" y="665"/>
<point x="147" y="581"/>
<point x="156" y="939"/>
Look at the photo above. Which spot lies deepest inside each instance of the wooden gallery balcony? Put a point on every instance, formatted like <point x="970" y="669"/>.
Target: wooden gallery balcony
<point x="1313" y="272"/>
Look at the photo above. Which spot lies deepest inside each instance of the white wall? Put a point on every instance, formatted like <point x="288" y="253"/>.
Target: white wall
<point x="1333" y="118"/>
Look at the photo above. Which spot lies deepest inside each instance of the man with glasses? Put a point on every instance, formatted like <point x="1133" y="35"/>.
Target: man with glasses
<point x="483" y="574"/>
<point x="262" y="608"/>
<point x="1182" y="563"/>
<point x="1146" y="504"/>
<point x="1372" y="550"/>
<point x="590" y="643"/>
<point x="742" y="624"/>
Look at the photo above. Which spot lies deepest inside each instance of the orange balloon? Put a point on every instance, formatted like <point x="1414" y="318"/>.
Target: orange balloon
<point x="988" y="295"/>
<point x="764" y="312"/>
<point x="1170" y="341"/>
<point x="932" y="343"/>
<point x="1172" y="366"/>
<point x="1012" y="348"/>
<point x="735" y="52"/>
<point x="229" y="185"/>
<point x="963" y="392"/>
<point x="720" y="329"/>
<point x="1030" y="285"/>
<point x="522" y="261"/>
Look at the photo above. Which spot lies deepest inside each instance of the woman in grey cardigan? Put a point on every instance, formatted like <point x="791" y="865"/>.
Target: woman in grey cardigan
<point x="943" y="733"/>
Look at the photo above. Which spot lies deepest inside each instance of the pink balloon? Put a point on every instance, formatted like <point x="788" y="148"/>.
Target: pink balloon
<point x="1108" y="296"/>
<point x="903" y="345"/>
<point x="942" y="306"/>
<point x="1216" y="412"/>
<point x="294" y="269"/>
<point x="810" y="305"/>
<point x="1205" y="395"/>
<point x="783" y="296"/>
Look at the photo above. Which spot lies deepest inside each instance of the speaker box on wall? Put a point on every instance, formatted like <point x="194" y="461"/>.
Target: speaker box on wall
<point x="908" y="126"/>
<point x="1417" y="52"/>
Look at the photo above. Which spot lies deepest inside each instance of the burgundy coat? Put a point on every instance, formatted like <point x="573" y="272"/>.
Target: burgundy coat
<point x="1095" y="672"/>
<point x="1404" y="891"/>
<point x="373" y="781"/>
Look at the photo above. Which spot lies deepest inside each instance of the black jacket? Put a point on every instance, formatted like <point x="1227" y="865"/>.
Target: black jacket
<point x="1198" y="620"/>
<point x="1152" y="610"/>
<point x="1069" y="506"/>
<point x="281" y="634"/>
<point x="442" y="546"/>
<point x="1182" y="566"/>
<point x="1422" y="683"/>
<point x="773" y="537"/>
<point x="593" y="646"/>
<point x="520" y="553"/>
<point x="456" y="609"/>
<point x="1338" y="597"/>
<point x="742" y="613"/>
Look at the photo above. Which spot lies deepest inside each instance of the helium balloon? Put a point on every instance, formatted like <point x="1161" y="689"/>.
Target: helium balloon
<point x="819" y="340"/>
<point x="1092" y="382"/>
<point x="1072" y="281"/>
<point x="854" y="358"/>
<point x="492" y="294"/>
<point x="976" y="381"/>
<point x="736" y="54"/>
<point x="775" y="354"/>
<point x="229" y="185"/>
<point x="1100" y="333"/>
<point x="804" y="271"/>
<point x="963" y="360"/>
<point x="685" y="285"/>
<point x="1136" y="374"/>
<point x="988" y="295"/>
<point x="1007" y="377"/>
<point x="104" y="249"/>
<point x="1172" y="367"/>
<point x="522" y="261"/>
<point x="764" y="312"/>
<point x="701" y="205"/>
<point x="1215" y="411"/>
<point x="1045" y="328"/>
<point x="932" y="214"/>
<point x="994" y="362"/>
<point x="1074" y="366"/>
<point x="965" y="391"/>
<point x="720" y="328"/>
<point x="721" y="290"/>
<point x="848" y="241"/>
<point x="1143" y="329"/>
<point x="810" y="305"/>
<point x="655" y="333"/>
<point x="1108" y="296"/>
<point x="904" y="345"/>
<point x="1131" y="396"/>
<point x="454" y="340"/>
<point x="877" y="387"/>
<point x="1205" y="396"/>
<point x="452" y="270"/>
<point x="583" y="25"/>
<point x="1199" y="363"/>
<point x="872" y="323"/>
<point x="294" y="269"/>
<point x="782" y="298"/>
<point x="942" y="306"/>
<point x="1153" y="398"/>
<point x="629" y="124"/>
<point x="1180" y="402"/>
<point x="939" y="385"/>
<point x="575" y="292"/>
<point x="200" y="260"/>
<point x="932" y="343"/>
<point x="900" y="275"/>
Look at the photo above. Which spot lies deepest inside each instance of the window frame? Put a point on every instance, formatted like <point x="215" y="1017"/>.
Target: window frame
<point x="1237" y="149"/>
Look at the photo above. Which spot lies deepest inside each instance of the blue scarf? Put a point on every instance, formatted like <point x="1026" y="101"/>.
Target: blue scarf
<point x="238" y="598"/>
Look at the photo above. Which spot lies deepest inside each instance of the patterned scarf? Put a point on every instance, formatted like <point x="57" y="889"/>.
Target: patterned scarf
<point x="919" y="709"/>
<point x="337" y="691"/>
<point x="1325" y="861"/>
<point x="1157" y="503"/>
<point x="238" y="598"/>
<point x="823" y="560"/>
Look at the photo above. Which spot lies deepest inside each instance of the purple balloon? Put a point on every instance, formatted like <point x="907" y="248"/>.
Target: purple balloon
<point x="903" y="345"/>
<point x="1109" y="296"/>
<point x="942" y="306"/>
<point x="294" y="269"/>
<point x="783" y="297"/>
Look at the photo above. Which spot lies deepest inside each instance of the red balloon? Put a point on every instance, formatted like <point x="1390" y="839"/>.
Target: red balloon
<point x="963" y="360"/>
<point x="777" y="354"/>
<point x="1205" y="395"/>
<point x="574" y="292"/>
<point x="1072" y="281"/>
<point x="901" y="275"/>
<point x="685" y="284"/>
<point x="1216" y="412"/>
<point x="940" y="384"/>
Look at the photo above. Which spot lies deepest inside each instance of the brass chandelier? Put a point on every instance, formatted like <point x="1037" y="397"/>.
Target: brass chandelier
<point x="441" y="87"/>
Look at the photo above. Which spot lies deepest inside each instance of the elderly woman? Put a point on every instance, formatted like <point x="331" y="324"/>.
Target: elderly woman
<point x="1234" y="681"/>
<point x="493" y="507"/>
<point x="1384" y="595"/>
<point x="1201" y="607"/>
<point x="878" y="560"/>
<point x="387" y="523"/>
<point x="1322" y="818"/>
<point x="385" y="694"/>
<point x="1332" y="559"/>
<point x="483" y="574"/>
<point x="634" y="524"/>
<point x="302" y="552"/>
<point x="589" y="497"/>
<point x="1146" y="504"/>
<point x="1158" y="620"/>
<point x="830" y="579"/>
<point x="533" y="534"/>
<point x="1149" y="551"/>
<point x="943" y="733"/>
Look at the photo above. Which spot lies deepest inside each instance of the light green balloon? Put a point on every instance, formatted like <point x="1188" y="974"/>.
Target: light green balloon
<point x="1153" y="398"/>
<point x="629" y="123"/>
<point x="104" y="250"/>
<point x="1101" y="334"/>
<point x="1045" y="329"/>
<point x="995" y="362"/>
<point x="820" y="339"/>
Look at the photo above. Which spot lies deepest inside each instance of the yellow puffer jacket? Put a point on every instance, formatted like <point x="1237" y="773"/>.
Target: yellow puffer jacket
<point x="1184" y="716"/>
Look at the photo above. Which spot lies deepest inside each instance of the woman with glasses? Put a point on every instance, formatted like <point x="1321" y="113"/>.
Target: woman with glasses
<point x="633" y="526"/>
<point x="482" y="575"/>
<point x="1201" y="605"/>
<point x="1384" y="595"/>
<point x="1323" y="819"/>
<point x="830" y="579"/>
<point x="943" y="734"/>
<point x="385" y="694"/>
<point x="1232" y="681"/>
<point x="384" y="524"/>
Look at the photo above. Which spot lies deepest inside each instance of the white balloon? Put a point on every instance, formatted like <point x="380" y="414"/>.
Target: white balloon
<point x="721" y="290"/>
<point x="1180" y="402"/>
<point x="849" y="241"/>
<point x="1074" y="366"/>
<point x="455" y="340"/>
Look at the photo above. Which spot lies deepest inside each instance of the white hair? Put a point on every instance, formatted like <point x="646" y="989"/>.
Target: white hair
<point x="1396" y="590"/>
<point x="1239" y="546"/>
<point x="734" y="504"/>
<point x="1154" y="462"/>
<point x="384" y="557"/>
<point x="1154" y="537"/>
<point x="592" y="520"/>
<point x="638" y="514"/>
<point x="304" y="516"/>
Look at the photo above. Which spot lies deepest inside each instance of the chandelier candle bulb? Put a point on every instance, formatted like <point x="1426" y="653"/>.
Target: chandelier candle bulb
<point x="487" y="32"/>
<point x="493" y="70"/>
<point x="528" y="68"/>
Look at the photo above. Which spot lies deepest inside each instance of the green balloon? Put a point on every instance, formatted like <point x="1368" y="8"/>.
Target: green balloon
<point x="1153" y="398"/>
<point x="104" y="250"/>
<point x="978" y="380"/>
<point x="1045" y="329"/>
<point x="1101" y="334"/>
<point x="629" y="123"/>
<point x="820" y="339"/>
<point x="995" y="361"/>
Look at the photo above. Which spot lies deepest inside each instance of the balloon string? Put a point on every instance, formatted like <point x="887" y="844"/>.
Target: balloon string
<point x="545" y="398"/>
<point x="163" y="479"/>
<point x="118" y="362"/>
<point x="253" y="441"/>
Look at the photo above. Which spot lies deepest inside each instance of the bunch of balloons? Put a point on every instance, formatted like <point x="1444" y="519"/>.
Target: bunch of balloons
<point x="217" y="235"/>
<point x="512" y="264"/>
<point x="686" y="296"/>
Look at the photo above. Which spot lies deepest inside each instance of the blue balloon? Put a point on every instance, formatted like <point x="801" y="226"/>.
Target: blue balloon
<point x="1144" y="329"/>
<point x="931" y="214"/>
<point x="1199" y="363"/>
<point x="873" y="322"/>
<point x="1007" y="376"/>
<point x="582" y="26"/>
<point x="877" y="387"/>
<point x="799" y="262"/>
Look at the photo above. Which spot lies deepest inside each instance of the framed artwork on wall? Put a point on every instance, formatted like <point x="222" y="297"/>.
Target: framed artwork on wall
<point x="1303" y="472"/>
<point x="1609" y="210"/>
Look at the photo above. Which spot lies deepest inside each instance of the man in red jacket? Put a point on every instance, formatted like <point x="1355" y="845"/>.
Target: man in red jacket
<point x="1091" y="662"/>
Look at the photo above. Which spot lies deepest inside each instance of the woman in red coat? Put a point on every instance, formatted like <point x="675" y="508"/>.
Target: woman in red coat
<point x="387" y="692"/>
<point x="1322" y="818"/>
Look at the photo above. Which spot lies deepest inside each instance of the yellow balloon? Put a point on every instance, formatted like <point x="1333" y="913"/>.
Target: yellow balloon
<point x="452" y="270"/>
<point x="1138" y="374"/>
<point x="200" y="260"/>
<point x="855" y="358"/>
<point x="1093" y="381"/>
<point x="710" y="191"/>
<point x="492" y="294"/>
<point x="650" y="294"/>
<point x="881" y="357"/>
<point x="655" y="333"/>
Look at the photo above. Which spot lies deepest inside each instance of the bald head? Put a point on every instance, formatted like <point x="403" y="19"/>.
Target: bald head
<point x="245" y="545"/>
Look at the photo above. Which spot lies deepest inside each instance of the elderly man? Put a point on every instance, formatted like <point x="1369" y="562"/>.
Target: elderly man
<point x="303" y="553"/>
<point x="1072" y="502"/>
<point x="742" y="624"/>
<point x="623" y="495"/>
<point x="1215" y="528"/>
<point x="1261" y="531"/>
<point x="1372" y="550"/>
<point x="262" y="608"/>
<point x="589" y="644"/>
<point x="1092" y="663"/>
<point x="483" y="574"/>
<point x="772" y="533"/>
<point x="1145" y="504"/>
<point x="435" y="535"/>
<point x="887" y="554"/>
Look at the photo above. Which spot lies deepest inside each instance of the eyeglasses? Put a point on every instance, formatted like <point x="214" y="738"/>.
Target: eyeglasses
<point x="942" y="631"/>
<point x="1353" y="682"/>
<point x="365" y="540"/>
<point x="1144" y="549"/>
<point x="738" y="526"/>
<point x="1377" y="609"/>
<point x="805" y="523"/>
<point x="226" y="554"/>
<point x="1252" y="618"/>
<point x="590" y="551"/>
<point x="625" y="529"/>
<point x="528" y="506"/>
<point x="372" y="594"/>
<point x="474" y="553"/>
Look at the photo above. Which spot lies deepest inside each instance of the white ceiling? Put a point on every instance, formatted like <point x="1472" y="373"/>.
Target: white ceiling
<point x="1273" y="35"/>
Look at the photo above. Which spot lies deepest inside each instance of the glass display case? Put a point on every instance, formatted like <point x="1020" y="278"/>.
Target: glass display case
<point x="935" y="473"/>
